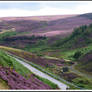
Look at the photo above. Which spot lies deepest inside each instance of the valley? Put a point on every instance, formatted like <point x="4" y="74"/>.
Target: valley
<point x="56" y="51"/>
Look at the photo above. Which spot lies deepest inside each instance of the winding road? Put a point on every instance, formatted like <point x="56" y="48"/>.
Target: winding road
<point x="62" y="86"/>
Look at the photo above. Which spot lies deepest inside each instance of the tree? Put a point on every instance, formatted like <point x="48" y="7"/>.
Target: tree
<point x="32" y="37"/>
<point x="77" y="54"/>
<point x="65" y="69"/>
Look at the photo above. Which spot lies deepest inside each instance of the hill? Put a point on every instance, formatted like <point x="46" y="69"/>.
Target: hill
<point x="87" y="15"/>
<point x="53" y="43"/>
<point x="86" y="62"/>
<point x="13" y="75"/>
<point x="20" y="30"/>
<point x="80" y="37"/>
<point x="78" y="47"/>
<point x="44" y="25"/>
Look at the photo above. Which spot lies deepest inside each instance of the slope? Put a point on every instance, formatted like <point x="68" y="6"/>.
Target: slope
<point x="80" y="37"/>
<point x="44" y="25"/>
<point x="17" y="76"/>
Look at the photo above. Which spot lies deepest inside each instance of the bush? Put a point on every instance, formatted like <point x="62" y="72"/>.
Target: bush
<point x="65" y="69"/>
<point x="77" y="54"/>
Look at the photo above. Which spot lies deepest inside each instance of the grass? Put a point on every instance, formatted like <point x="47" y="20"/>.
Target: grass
<point x="37" y="48"/>
<point x="7" y="34"/>
<point x="80" y="37"/>
<point x="3" y="85"/>
<point x="8" y="61"/>
<point x="83" y="82"/>
<point x="44" y="69"/>
<point x="80" y="68"/>
<point x="49" y="73"/>
<point x="20" y="68"/>
<point x="46" y="81"/>
<point x="39" y="67"/>
<point x="49" y="57"/>
<point x="67" y="54"/>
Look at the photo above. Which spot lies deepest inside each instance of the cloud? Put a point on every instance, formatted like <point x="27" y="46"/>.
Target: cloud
<point x="85" y="8"/>
<point x="46" y="9"/>
<point x="43" y="11"/>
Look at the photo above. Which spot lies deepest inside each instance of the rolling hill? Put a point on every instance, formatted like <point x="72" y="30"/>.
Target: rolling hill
<point x="13" y="75"/>
<point x="80" y="37"/>
<point x="79" y="45"/>
<point x="53" y="27"/>
<point x="53" y="43"/>
<point x="44" y="25"/>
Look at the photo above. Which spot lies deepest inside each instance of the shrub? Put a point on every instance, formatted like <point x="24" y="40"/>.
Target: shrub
<point x="65" y="69"/>
<point x="77" y="54"/>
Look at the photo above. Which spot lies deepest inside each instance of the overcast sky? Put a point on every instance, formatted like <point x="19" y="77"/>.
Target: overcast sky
<point x="39" y="8"/>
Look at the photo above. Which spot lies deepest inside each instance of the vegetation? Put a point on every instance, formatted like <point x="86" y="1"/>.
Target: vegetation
<point x="52" y="85"/>
<point x="39" y="46"/>
<point x="65" y="69"/>
<point x="7" y="34"/>
<point x="35" y="65"/>
<point x="79" y="38"/>
<point x="7" y="61"/>
<point x="83" y="82"/>
<point x="77" y="54"/>
<point x="16" y="81"/>
<point x="3" y="85"/>
<point x="54" y="57"/>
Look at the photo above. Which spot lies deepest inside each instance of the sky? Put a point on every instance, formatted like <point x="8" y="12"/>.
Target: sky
<point x="40" y="8"/>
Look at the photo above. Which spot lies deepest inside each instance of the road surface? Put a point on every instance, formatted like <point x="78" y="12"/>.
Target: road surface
<point x="62" y="86"/>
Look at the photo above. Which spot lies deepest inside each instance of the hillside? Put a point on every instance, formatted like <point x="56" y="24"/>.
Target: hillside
<point x="77" y="47"/>
<point x="13" y="75"/>
<point x="44" y="25"/>
<point x="86" y="62"/>
<point x="24" y="30"/>
<point x="37" y="18"/>
<point x="65" y="25"/>
<point x="52" y="65"/>
<point x="22" y="24"/>
<point x="87" y="15"/>
<point x="61" y="45"/>
<point x="80" y="37"/>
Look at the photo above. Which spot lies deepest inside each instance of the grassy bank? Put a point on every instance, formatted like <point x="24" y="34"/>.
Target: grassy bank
<point x="3" y="85"/>
<point x="8" y="61"/>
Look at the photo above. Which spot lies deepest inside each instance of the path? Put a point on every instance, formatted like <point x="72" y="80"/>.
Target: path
<point x="62" y="86"/>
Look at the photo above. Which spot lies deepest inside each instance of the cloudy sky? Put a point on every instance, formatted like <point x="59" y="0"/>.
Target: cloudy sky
<point x="39" y="8"/>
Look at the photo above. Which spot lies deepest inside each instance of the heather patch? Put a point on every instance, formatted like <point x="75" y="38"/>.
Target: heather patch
<point x="17" y="81"/>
